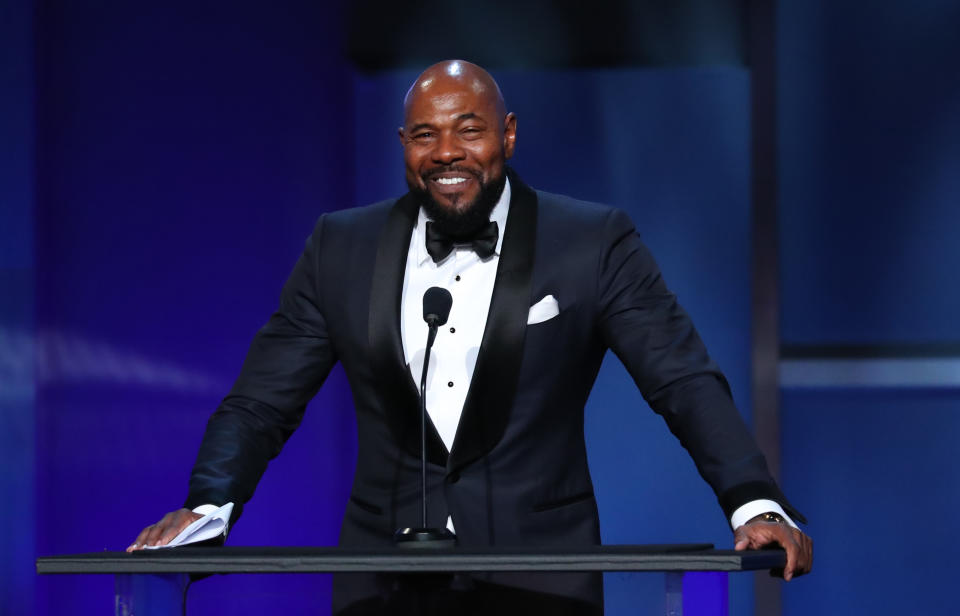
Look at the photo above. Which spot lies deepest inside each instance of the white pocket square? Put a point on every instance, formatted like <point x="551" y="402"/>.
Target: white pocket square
<point x="544" y="310"/>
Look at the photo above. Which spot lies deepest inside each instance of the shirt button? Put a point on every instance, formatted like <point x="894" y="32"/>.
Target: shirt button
<point x="449" y="383"/>
<point x="453" y="330"/>
<point x="457" y="278"/>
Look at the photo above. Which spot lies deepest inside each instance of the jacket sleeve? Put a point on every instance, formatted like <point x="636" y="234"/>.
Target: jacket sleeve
<point x="286" y="364"/>
<point x="641" y="321"/>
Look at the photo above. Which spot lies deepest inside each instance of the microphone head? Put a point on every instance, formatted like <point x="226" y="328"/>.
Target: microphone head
<point x="436" y="305"/>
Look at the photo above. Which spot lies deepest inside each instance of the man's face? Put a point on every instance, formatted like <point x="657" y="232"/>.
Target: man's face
<point x="455" y="146"/>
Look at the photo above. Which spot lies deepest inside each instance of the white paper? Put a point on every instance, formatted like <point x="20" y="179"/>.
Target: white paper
<point x="207" y="527"/>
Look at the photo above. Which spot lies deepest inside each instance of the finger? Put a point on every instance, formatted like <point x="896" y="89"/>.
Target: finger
<point x="133" y="547"/>
<point x="148" y="539"/>
<point x="141" y="539"/>
<point x="740" y="540"/>
<point x="143" y="535"/>
<point x="803" y="553"/>
<point x="807" y="545"/>
<point x="792" y="555"/>
<point x="172" y="530"/>
<point x="761" y="536"/>
<point x="743" y="538"/>
<point x="178" y="521"/>
<point x="155" y="532"/>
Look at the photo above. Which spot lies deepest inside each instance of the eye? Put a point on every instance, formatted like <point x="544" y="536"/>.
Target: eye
<point x="471" y="132"/>
<point x="423" y="136"/>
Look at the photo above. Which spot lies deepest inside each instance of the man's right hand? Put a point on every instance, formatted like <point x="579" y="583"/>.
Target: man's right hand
<point x="166" y="529"/>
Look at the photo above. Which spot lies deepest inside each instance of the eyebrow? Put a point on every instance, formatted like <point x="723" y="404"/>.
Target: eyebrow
<point x="460" y="118"/>
<point x="417" y="127"/>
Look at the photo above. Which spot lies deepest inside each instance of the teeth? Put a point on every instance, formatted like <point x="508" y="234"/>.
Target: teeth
<point x="449" y="181"/>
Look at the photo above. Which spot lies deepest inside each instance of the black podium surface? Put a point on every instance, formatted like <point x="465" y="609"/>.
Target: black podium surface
<point x="207" y="560"/>
<point x="155" y="582"/>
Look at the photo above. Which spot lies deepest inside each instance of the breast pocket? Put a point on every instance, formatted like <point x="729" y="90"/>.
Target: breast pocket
<point x="548" y="334"/>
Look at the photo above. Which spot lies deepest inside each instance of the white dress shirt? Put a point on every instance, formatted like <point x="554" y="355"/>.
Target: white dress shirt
<point x="454" y="355"/>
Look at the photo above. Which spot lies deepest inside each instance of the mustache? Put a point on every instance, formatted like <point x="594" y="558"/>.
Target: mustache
<point x="432" y="173"/>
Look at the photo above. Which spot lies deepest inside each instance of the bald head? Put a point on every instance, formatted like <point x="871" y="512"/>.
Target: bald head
<point x="456" y="75"/>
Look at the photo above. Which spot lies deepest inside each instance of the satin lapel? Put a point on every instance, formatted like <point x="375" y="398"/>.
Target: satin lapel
<point x="494" y="384"/>
<point x="397" y="389"/>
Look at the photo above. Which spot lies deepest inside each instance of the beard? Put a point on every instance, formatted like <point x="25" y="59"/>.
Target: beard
<point x="463" y="221"/>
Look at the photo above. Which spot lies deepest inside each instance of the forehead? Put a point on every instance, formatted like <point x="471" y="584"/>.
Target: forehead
<point x="434" y="99"/>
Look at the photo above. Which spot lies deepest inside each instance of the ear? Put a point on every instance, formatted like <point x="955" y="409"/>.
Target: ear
<point x="509" y="134"/>
<point x="400" y="134"/>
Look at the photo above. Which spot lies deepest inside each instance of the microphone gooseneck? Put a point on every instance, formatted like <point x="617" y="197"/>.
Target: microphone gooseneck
<point x="437" y="302"/>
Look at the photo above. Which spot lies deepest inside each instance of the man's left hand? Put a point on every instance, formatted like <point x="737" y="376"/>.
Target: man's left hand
<point x="757" y="534"/>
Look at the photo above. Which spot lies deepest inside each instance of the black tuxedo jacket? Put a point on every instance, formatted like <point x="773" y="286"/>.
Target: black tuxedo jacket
<point x="517" y="472"/>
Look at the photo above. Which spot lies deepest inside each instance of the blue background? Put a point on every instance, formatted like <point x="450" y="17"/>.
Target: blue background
<point x="160" y="169"/>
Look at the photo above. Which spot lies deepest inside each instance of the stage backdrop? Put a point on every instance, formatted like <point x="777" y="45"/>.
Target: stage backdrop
<point x="870" y="213"/>
<point x="17" y="276"/>
<point x="162" y="165"/>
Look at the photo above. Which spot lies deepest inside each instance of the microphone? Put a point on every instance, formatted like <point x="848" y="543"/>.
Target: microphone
<point x="436" y="307"/>
<point x="437" y="302"/>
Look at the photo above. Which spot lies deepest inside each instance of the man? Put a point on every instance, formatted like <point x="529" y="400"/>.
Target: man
<point x="542" y="286"/>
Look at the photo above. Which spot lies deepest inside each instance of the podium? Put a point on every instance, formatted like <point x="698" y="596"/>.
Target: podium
<point x="154" y="582"/>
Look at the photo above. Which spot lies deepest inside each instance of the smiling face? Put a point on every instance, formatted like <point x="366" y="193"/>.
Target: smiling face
<point x="456" y="140"/>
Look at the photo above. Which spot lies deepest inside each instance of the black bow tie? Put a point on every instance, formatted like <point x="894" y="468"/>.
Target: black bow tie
<point x="483" y="242"/>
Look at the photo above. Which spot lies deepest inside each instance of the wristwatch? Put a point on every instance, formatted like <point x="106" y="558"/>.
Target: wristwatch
<point x="770" y="516"/>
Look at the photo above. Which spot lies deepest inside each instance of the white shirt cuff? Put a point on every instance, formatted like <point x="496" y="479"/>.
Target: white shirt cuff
<point x="207" y="510"/>
<point x="754" y="508"/>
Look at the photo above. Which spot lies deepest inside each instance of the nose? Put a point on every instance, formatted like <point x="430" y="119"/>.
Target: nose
<point x="447" y="149"/>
